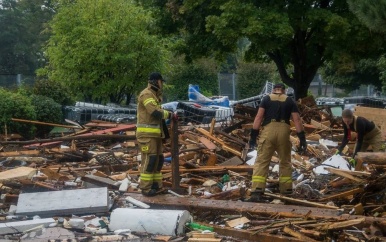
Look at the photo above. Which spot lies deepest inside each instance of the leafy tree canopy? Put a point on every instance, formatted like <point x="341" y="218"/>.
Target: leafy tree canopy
<point x="202" y="72"/>
<point x="297" y="35"/>
<point x="21" y="36"/>
<point x="371" y="13"/>
<point x="103" y="49"/>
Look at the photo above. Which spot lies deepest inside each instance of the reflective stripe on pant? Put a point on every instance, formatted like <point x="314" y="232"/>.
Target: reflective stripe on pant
<point x="275" y="136"/>
<point x="151" y="150"/>
<point x="373" y="138"/>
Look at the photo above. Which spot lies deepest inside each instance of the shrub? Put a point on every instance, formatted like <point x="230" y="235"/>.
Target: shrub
<point x="47" y="110"/>
<point x="15" y="105"/>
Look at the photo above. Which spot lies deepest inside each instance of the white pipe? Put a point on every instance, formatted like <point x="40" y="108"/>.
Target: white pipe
<point x="164" y="222"/>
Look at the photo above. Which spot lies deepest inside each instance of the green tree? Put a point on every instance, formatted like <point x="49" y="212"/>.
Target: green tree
<point x="252" y="77"/>
<point x="371" y="13"/>
<point x="201" y="72"/>
<point x="21" y="37"/>
<point x="103" y="49"/>
<point x="298" y="36"/>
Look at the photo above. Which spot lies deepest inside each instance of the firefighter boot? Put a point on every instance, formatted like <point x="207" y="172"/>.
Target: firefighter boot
<point x="256" y="197"/>
<point x="150" y="193"/>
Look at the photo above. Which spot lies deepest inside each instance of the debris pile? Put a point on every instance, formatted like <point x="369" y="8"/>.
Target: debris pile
<point x="82" y="184"/>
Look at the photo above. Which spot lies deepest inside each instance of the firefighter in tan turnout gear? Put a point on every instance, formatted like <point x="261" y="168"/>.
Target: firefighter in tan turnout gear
<point x="273" y="117"/>
<point x="150" y="132"/>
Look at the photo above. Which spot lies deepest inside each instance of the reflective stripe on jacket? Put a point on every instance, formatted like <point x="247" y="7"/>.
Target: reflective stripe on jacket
<point x="149" y="125"/>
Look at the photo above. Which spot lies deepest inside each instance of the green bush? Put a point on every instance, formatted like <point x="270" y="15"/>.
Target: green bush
<point x="48" y="111"/>
<point x="57" y="91"/>
<point x="15" y="105"/>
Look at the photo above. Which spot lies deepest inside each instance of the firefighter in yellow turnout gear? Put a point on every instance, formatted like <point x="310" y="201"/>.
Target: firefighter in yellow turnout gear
<point x="273" y="117"/>
<point x="150" y="132"/>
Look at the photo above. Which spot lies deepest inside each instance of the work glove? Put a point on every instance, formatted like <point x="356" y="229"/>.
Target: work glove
<point x="252" y="138"/>
<point x="338" y="152"/>
<point x="352" y="162"/>
<point x="303" y="142"/>
<point x="175" y="116"/>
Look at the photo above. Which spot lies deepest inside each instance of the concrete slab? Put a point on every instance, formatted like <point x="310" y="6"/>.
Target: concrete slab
<point x="68" y="202"/>
<point x="21" y="226"/>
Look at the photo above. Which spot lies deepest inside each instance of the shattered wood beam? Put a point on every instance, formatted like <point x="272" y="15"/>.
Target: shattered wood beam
<point x="43" y="123"/>
<point x="342" y="225"/>
<point x="378" y="158"/>
<point x="345" y="174"/>
<point x="83" y="137"/>
<point x="250" y="236"/>
<point x="298" y="201"/>
<point x="224" y="146"/>
<point x="298" y="235"/>
<point x="228" y="206"/>
<point x="342" y="194"/>
<point x="241" y="168"/>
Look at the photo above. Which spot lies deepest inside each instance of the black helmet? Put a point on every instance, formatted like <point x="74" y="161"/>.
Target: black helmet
<point x="279" y="85"/>
<point x="155" y="76"/>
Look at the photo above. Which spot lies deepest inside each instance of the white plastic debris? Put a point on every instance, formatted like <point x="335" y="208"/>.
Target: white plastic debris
<point x="335" y="161"/>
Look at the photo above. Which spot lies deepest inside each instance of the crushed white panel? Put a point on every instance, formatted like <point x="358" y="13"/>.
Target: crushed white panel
<point x="335" y="161"/>
<point x="79" y="201"/>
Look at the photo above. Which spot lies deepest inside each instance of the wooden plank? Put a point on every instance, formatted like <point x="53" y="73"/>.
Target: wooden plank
<point x="342" y="194"/>
<point x="18" y="153"/>
<point x="298" y="201"/>
<point x="319" y="125"/>
<point x="342" y="225"/>
<point x="18" y="173"/>
<point x="236" y="222"/>
<point x="344" y="174"/>
<point x="237" y="207"/>
<point x="297" y="235"/>
<point x="208" y="144"/>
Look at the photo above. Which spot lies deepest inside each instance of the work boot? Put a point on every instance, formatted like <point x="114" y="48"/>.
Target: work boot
<point x="159" y="190"/>
<point x="150" y="193"/>
<point x="256" y="197"/>
<point x="287" y="192"/>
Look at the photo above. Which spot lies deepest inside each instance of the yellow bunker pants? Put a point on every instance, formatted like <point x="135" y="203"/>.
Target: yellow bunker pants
<point x="275" y="136"/>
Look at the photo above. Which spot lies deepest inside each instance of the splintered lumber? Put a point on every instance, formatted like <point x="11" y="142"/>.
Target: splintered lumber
<point x="221" y="142"/>
<point x="298" y="201"/>
<point x="378" y="158"/>
<point x="244" y="235"/>
<point x="342" y="194"/>
<point x="18" y="173"/>
<point x="297" y="234"/>
<point x="43" y="123"/>
<point x="345" y="174"/>
<point x="236" y="222"/>
<point x="19" y="153"/>
<point x="342" y="225"/>
<point x="319" y="125"/>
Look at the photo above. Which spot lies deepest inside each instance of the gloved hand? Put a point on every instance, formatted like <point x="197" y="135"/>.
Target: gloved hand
<point x="175" y="116"/>
<point x="352" y="162"/>
<point x="252" y="138"/>
<point x="303" y="142"/>
<point x="338" y="152"/>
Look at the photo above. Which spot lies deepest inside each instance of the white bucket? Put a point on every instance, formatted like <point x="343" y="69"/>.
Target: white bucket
<point x="163" y="222"/>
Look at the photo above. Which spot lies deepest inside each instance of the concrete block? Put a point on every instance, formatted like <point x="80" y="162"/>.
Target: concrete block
<point x="21" y="226"/>
<point x="67" y="202"/>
